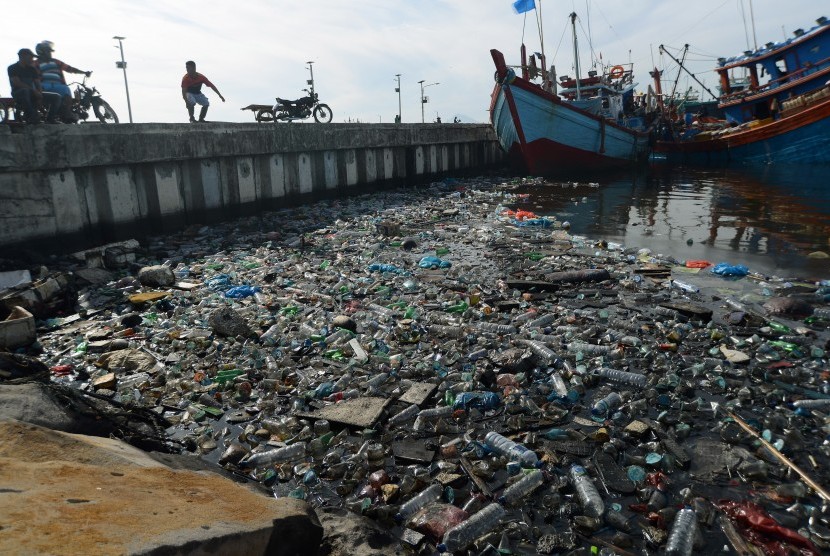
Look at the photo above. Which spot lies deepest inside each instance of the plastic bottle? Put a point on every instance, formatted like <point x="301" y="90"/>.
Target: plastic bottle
<point x="682" y="536"/>
<point x="405" y="415"/>
<point x="685" y="286"/>
<point x="812" y="403"/>
<point x="447" y="331"/>
<point x="588" y="349"/>
<point x="521" y="488"/>
<point x="559" y="385"/>
<point x="589" y="497"/>
<point x="513" y="450"/>
<point x="478" y="525"/>
<point x="607" y="404"/>
<point x="496" y="328"/>
<point x="540" y="350"/>
<point x="543" y="320"/>
<point x="623" y="377"/>
<point x="411" y="506"/>
<point x="287" y="453"/>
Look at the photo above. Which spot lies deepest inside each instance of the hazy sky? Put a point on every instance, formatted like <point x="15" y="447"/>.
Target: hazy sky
<point x="254" y="50"/>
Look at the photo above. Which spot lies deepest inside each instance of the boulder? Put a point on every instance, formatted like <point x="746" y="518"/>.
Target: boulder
<point x="346" y="533"/>
<point x="227" y="322"/>
<point x="102" y="496"/>
<point x="158" y="275"/>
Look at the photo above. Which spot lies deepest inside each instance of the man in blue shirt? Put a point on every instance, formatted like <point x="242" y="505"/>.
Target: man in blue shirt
<point x="52" y="70"/>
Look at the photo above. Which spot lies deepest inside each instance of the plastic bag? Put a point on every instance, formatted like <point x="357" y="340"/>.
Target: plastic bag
<point x="436" y="519"/>
<point x="725" y="269"/>
<point x="698" y="264"/>
<point x="433" y="262"/>
<point x="479" y="400"/>
<point x="238" y="292"/>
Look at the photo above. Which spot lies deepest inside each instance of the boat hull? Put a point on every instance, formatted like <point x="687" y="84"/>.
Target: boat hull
<point x="803" y="138"/>
<point x="544" y="135"/>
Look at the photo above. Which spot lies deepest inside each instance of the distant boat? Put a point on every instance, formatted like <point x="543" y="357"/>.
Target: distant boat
<point x="784" y="120"/>
<point x="588" y="124"/>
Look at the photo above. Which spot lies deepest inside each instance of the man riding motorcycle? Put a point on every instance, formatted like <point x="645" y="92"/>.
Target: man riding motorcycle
<point x="52" y="78"/>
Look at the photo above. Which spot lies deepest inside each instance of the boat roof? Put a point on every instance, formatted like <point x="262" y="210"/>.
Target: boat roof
<point x="590" y="88"/>
<point x="774" y="49"/>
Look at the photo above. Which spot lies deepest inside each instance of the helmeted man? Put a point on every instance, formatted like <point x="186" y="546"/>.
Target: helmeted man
<point x="192" y="91"/>
<point x="52" y="70"/>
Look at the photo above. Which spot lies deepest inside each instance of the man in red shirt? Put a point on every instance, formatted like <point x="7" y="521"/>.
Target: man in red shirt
<point x="192" y="91"/>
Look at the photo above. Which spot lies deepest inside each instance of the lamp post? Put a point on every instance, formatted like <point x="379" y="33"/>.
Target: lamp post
<point x="424" y="99"/>
<point x="398" y="90"/>
<point x="123" y="65"/>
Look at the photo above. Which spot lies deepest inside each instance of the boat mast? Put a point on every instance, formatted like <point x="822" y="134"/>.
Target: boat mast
<point x="542" y="44"/>
<point x="576" y="56"/>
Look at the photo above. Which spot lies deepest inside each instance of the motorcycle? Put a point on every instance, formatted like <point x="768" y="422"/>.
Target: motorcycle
<point x="289" y="110"/>
<point x="86" y="98"/>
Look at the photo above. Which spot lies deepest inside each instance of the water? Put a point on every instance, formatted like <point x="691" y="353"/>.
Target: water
<point x="769" y="219"/>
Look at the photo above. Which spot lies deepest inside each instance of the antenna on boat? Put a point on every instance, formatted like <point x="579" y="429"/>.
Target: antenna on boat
<point x="752" y="19"/>
<point x="576" y="56"/>
<point x="542" y="44"/>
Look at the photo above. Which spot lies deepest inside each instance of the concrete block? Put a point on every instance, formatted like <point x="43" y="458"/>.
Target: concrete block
<point x="433" y="159"/>
<point x="246" y="180"/>
<point x="371" y="166"/>
<point x="388" y="164"/>
<point x="211" y="185"/>
<point x="330" y="169"/>
<point x="167" y="187"/>
<point x="305" y="174"/>
<point x="351" y="167"/>
<point x="420" y="163"/>
<point x="122" y="199"/>
<point x="277" y="176"/>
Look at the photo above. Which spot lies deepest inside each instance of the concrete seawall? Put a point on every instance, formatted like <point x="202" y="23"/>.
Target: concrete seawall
<point x="94" y="181"/>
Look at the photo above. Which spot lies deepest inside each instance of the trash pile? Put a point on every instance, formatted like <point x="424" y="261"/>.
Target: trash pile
<point x="469" y="374"/>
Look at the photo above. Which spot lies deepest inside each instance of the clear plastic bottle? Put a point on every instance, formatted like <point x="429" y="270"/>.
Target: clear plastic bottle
<point x="411" y="506"/>
<point x="479" y="524"/>
<point x="607" y="404"/>
<point x="623" y="377"/>
<point x="542" y="321"/>
<point x="512" y="450"/>
<point x="520" y="489"/>
<point x="682" y="536"/>
<point x="446" y="331"/>
<point x="405" y="415"/>
<point x="287" y="453"/>
<point x="588" y="349"/>
<point x="540" y="350"/>
<point x="496" y="328"/>
<point x="812" y="404"/>
<point x="685" y="286"/>
<point x="589" y="497"/>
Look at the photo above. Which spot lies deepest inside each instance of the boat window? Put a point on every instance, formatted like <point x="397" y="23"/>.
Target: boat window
<point x="781" y="65"/>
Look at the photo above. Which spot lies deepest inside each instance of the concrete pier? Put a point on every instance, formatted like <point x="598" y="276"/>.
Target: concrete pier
<point x="93" y="181"/>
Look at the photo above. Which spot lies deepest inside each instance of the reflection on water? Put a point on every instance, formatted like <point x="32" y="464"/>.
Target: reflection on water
<point x="769" y="219"/>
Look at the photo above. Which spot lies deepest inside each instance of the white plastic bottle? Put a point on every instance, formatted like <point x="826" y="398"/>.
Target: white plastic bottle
<point x="682" y="536"/>
<point x="513" y="450"/>
<point x="287" y="453"/>
<point x="411" y="506"/>
<point x="589" y="497"/>
<point x="479" y="524"/>
<point x="520" y="489"/>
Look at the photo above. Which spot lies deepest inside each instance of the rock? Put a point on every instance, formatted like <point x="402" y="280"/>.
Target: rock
<point x="409" y="244"/>
<point x="789" y="306"/>
<point x="74" y="486"/>
<point x="39" y="404"/>
<point x="346" y="533"/>
<point x="131" y="360"/>
<point x="21" y="368"/>
<point x="106" y="382"/>
<point x="227" y="322"/>
<point x="131" y="319"/>
<point x="95" y="275"/>
<point x="158" y="275"/>
<point x="343" y="321"/>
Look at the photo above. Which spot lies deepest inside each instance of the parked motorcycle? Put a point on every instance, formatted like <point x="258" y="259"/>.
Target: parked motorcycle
<point x="86" y="98"/>
<point x="303" y="108"/>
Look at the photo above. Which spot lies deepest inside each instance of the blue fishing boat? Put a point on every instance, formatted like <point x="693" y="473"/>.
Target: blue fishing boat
<point x="785" y="119"/>
<point x="568" y="126"/>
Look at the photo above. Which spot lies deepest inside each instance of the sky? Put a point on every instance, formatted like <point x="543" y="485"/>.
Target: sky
<point x="256" y="50"/>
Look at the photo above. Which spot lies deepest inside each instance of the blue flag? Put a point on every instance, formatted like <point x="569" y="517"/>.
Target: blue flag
<point x="522" y="6"/>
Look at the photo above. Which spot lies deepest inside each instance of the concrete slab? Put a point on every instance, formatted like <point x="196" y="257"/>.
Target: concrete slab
<point x="361" y="412"/>
<point x="418" y="393"/>
<point x="412" y="450"/>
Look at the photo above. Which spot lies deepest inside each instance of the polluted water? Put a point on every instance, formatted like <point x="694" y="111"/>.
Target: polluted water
<point x="466" y="373"/>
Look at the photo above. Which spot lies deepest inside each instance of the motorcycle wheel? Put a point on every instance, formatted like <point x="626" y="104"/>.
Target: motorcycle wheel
<point x="322" y="113"/>
<point x="104" y="112"/>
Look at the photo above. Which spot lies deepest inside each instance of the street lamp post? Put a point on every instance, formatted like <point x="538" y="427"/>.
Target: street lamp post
<point x="424" y="99"/>
<point x="123" y="65"/>
<point x="398" y="90"/>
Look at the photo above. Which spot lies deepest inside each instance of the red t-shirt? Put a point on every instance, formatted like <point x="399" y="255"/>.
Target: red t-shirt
<point x="194" y="84"/>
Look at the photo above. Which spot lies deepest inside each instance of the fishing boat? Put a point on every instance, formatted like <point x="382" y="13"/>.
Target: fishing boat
<point x="571" y="125"/>
<point x="785" y="119"/>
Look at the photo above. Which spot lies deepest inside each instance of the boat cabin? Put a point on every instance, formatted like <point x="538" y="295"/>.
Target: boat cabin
<point x="775" y="74"/>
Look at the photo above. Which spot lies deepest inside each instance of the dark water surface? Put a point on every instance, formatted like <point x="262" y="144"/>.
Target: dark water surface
<point x="770" y="219"/>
